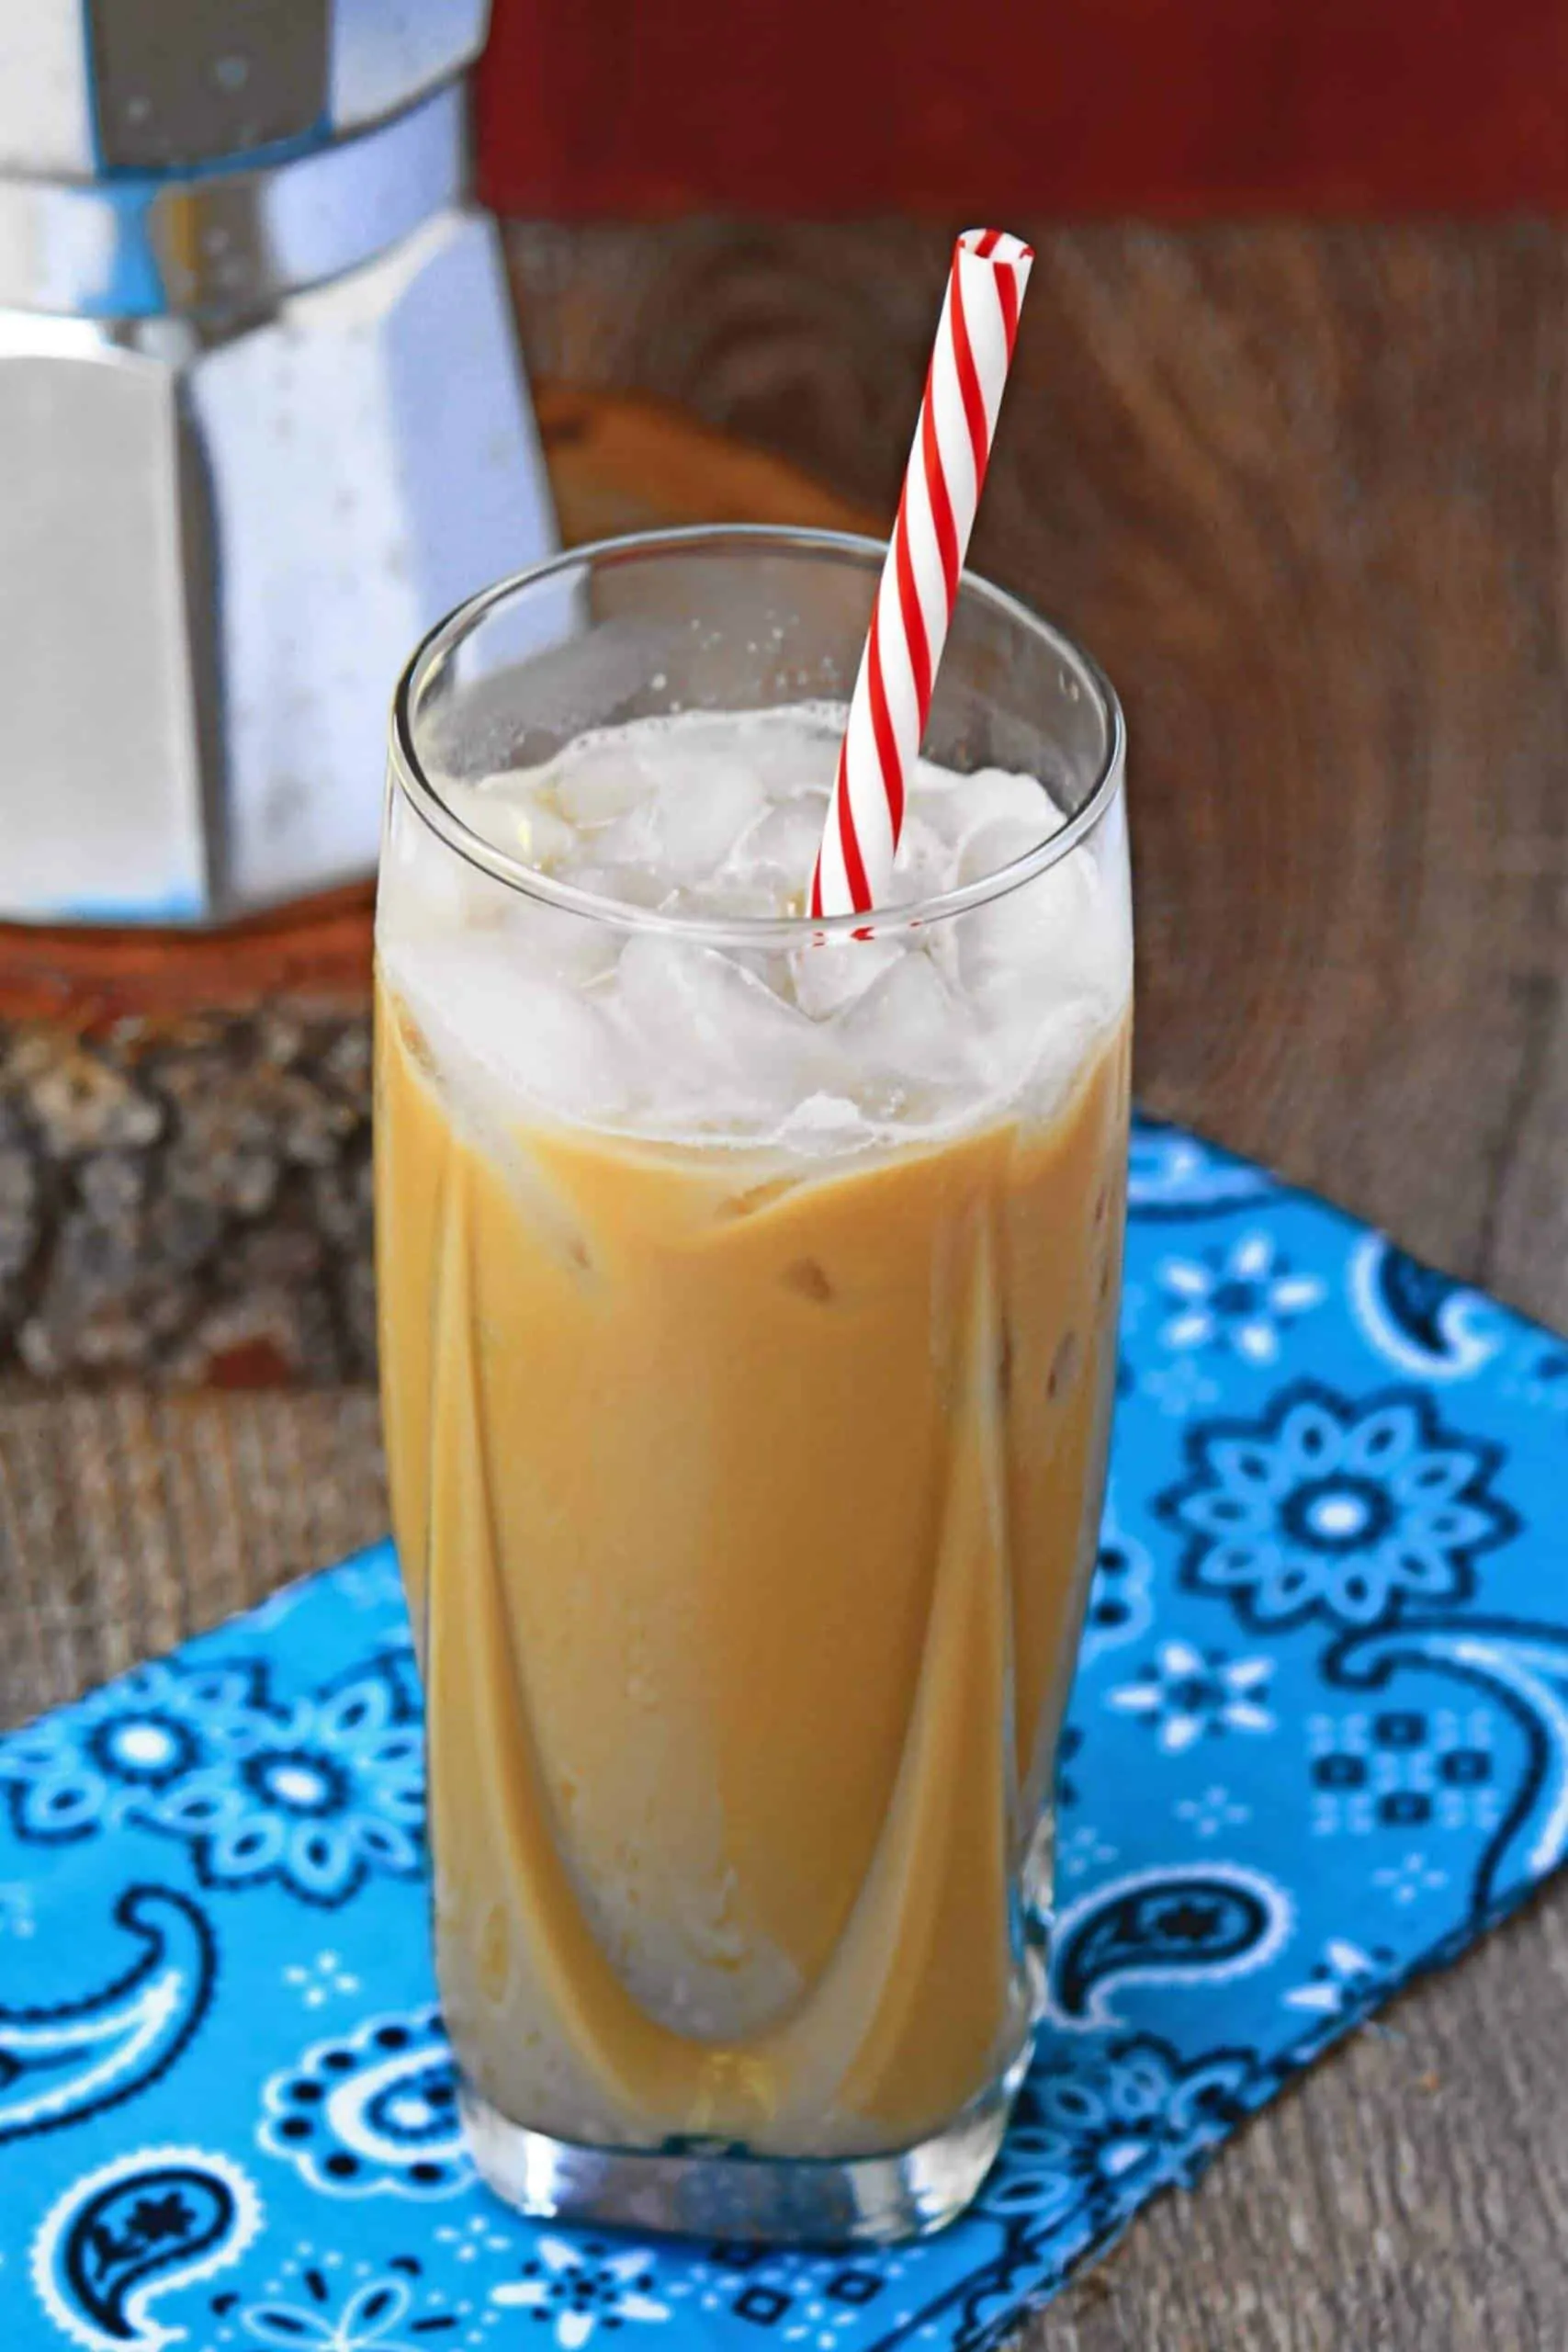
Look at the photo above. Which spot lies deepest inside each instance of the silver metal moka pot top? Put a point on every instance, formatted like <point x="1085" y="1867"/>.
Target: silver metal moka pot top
<point x="91" y="86"/>
<point x="155" y="245"/>
<point x="261" y="422"/>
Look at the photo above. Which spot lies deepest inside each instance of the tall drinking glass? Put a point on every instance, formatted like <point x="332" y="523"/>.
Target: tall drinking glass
<point x="748" y="1296"/>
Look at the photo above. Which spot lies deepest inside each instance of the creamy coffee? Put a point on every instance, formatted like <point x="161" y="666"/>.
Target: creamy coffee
<point x="748" y="1329"/>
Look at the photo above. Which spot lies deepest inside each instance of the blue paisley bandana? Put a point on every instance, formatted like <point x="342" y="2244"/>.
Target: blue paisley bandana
<point x="1330" y="1605"/>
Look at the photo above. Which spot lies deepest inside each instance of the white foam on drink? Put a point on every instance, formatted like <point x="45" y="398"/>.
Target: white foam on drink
<point x="819" y="1048"/>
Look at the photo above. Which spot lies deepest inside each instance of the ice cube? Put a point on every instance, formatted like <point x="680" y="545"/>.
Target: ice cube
<point x="523" y="1038"/>
<point x="627" y="885"/>
<point x="924" y="868"/>
<point x="715" y="1035"/>
<point x="691" y="825"/>
<point x="1039" y="929"/>
<point x="508" y="810"/>
<point x="824" y="1123"/>
<point x="909" y="1030"/>
<point x="1036" y="1060"/>
<point x="562" y="946"/>
<point x="997" y="841"/>
<point x="422" y="888"/>
<point x="958" y="806"/>
<point x="723" y="895"/>
<point x="933" y="782"/>
<point x="828" y="974"/>
<point x="793" y="750"/>
<point x="598" y="779"/>
<point x="781" y="847"/>
<point x="632" y="839"/>
<point x="787" y="749"/>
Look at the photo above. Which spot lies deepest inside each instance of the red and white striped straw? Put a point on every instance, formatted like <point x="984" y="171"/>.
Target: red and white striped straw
<point x="892" y="698"/>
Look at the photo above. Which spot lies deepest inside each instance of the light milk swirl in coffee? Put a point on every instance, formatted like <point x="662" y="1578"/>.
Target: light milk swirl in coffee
<point x="748" y="1314"/>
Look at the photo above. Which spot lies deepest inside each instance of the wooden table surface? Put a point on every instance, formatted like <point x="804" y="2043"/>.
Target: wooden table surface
<point x="1304" y="492"/>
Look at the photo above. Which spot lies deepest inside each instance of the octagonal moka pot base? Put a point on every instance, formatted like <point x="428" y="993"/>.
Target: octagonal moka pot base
<point x="262" y="419"/>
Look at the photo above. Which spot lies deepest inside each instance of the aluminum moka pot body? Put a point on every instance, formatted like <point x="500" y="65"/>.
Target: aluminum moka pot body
<point x="262" y="419"/>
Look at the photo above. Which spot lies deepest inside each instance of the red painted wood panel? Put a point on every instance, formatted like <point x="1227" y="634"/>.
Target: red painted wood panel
<point x="1176" y="107"/>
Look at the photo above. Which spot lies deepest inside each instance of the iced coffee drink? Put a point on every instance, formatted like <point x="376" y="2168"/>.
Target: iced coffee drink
<point x="747" y="1293"/>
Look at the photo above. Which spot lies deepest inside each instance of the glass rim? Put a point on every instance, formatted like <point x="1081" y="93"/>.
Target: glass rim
<point x="424" y="797"/>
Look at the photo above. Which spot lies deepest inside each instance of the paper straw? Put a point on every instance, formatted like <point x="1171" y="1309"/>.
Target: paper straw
<point x="909" y="621"/>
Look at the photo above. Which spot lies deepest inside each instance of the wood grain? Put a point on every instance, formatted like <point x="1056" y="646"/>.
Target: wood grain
<point x="130" y="1521"/>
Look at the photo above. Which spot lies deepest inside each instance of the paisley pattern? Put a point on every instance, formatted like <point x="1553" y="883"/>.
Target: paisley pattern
<point x="64" y="2060"/>
<point x="1195" y="1924"/>
<point x="1419" y="1320"/>
<point x="1317" y="1741"/>
<point x="132" y="2233"/>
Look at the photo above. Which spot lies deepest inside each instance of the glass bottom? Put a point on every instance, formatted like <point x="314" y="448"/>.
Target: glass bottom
<point x="729" y="2197"/>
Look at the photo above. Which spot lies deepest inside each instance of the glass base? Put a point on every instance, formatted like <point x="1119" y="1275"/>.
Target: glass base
<point x="731" y="2197"/>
